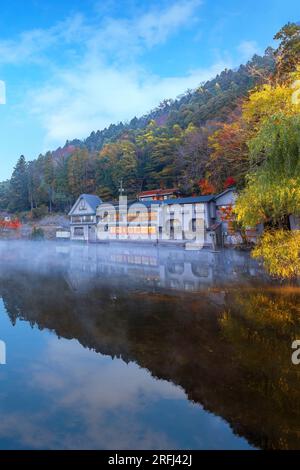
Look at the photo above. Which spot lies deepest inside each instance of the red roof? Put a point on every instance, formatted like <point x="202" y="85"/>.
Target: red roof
<point x="158" y="192"/>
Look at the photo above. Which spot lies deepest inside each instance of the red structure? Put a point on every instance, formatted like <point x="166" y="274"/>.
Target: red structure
<point x="10" y="224"/>
<point x="158" y="194"/>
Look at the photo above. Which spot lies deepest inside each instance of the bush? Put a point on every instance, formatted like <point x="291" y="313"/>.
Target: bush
<point x="37" y="233"/>
<point x="39" y="212"/>
<point x="280" y="251"/>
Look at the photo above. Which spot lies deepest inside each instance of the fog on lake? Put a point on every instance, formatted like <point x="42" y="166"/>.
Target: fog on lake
<point x="127" y="346"/>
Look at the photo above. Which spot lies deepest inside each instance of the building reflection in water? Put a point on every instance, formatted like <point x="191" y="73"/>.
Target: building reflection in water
<point x="167" y="268"/>
<point x="211" y="323"/>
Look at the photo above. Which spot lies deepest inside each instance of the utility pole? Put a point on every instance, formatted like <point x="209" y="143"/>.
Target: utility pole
<point x="122" y="212"/>
<point x="121" y="190"/>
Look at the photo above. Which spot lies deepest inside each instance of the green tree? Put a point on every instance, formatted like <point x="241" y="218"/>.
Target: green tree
<point x="49" y="178"/>
<point x="18" y="193"/>
<point x="4" y="194"/>
<point x="159" y="145"/>
<point x="81" y="175"/>
<point x="287" y="54"/>
<point x="117" y="161"/>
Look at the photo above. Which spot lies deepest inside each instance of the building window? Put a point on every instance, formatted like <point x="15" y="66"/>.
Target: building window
<point x="76" y="219"/>
<point x="82" y="205"/>
<point x="87" y="218"/>
<point x="78" y="231"/>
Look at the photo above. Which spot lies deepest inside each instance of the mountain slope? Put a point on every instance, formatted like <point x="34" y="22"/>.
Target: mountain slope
<point x="210" y="101"/>
<point x="167" y="146"/>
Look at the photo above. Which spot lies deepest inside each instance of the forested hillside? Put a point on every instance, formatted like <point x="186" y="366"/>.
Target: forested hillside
<point x="177" y="144"/>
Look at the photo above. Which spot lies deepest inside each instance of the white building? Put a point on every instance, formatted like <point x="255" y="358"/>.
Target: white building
<point x="83" y="221"/>
<point x="161" y="220"/>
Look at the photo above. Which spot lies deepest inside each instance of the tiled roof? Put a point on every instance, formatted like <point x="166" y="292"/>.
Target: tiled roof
<point x="92" y="200"/>
<point x="95" y="201"/>
<point x="158" y="192"/>
<point x="183" y="200"/>
<point x="231" y="188"/>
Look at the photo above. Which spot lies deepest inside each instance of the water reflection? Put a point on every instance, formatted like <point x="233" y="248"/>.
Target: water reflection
<point x="177" y="345"/>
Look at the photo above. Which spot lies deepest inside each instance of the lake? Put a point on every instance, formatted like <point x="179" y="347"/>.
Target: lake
<point x="145" y="347"/>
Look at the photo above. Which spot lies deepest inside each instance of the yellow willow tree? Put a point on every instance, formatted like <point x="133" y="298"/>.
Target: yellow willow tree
<point x="272" y="192"/>
<point x="280" y="250"/>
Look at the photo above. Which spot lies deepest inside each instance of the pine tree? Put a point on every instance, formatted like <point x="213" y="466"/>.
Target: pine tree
<point x="19" y="197"/>
<point x="49" y="178"/>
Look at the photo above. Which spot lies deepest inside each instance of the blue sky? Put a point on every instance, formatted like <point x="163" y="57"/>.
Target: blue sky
<point x="74" y="66"/>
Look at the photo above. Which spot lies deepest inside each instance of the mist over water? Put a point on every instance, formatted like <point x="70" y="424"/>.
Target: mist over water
<point x="133" y="264"/>
<point x="130" y="346"/>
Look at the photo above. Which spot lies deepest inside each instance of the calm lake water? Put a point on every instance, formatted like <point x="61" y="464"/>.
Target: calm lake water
<point x="119" y="347"/>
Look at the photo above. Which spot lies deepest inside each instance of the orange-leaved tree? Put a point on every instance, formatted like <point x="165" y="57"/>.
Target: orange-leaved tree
<point x="206" y="187"/>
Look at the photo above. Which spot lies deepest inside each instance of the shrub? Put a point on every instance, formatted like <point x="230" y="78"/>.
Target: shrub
<point x="39" y="212"/>
<point x="280" y="251"/>
<point x="37" y="233"/>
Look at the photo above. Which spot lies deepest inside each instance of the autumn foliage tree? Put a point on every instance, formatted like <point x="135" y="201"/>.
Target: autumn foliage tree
<point x="204" y="135"/>
<point x="229" y="156"/>
<point x="206" y="187"/>
<point x="80" y="173"/>
<point x="230" y="181"/>
<point x="192" y="157"/>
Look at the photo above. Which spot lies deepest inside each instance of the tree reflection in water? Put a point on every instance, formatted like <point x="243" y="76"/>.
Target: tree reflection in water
<point x="228" y="347"/>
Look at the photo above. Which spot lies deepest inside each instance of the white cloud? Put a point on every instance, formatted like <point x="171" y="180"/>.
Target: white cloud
<point x="93" y="96"/>
<point x="247" y="49"/>
<point x="72" y="384"/>
<point x="95" y="77"/>
<point x="154" y="28"/>
<point x="85" y="388"/>
<point x="129" y="36"/>
<point x="32" y="46"/>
